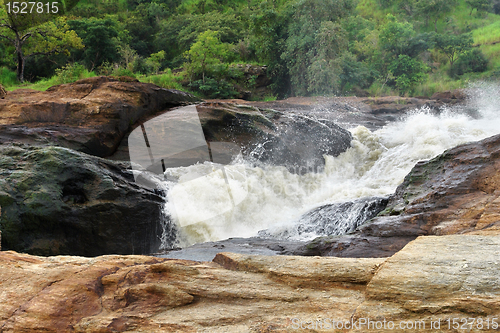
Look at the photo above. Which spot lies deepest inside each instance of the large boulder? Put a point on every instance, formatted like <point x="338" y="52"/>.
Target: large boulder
<point x="453" y="193"/>
<point x="58" y="201"/>
<point x="90" y="115"/>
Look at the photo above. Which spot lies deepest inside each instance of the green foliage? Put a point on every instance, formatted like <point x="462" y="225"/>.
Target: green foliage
<point x="400" y="38"/>
<point x="8" y="78"/>
<point x="212" y="88"/>
<point x="434" y="9"/>
<point x="453" y="46"/>
<point x="166" y="80"/>
<point x="314" y="40"/>
<point x="33" y="34"/>
<point x="34" y="14"/>
<point x="479" y="5"/>
<point x="154" y="61"/>
<point x="408" y="72"/>
<point x="99" y="37"/>
<point x="310" y="47"/>
<point x="354" y="73"/>
<point x="471" y="61"/>
<point x="71" y="73"/>
<point x="206" y="55"/>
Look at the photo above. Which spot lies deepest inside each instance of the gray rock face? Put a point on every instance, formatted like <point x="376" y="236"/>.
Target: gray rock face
<point x="58" y="201"/>
<point x="261" y="136"/>
<point x="333" y="219"/>
<point x="273" y="137"/>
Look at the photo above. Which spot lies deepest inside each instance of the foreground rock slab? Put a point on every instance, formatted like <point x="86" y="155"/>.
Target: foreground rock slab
<point x="437" y="278"/>
<point x="432" y="279"/>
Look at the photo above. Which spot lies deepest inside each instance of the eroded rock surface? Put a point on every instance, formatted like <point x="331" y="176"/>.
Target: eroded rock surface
<point x="431" y="278"/>
<point x="371" y="112"/>
<point x="90" y="115"/>
<point x="58" y="201"/>
<point x="454" y="193"/>
<point x="272" y="137"/>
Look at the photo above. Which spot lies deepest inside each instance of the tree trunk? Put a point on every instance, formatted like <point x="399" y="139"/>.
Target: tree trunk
<point x="436" y="25"/>
<point x="20" y="60"/>
<point x="20" y="68"/>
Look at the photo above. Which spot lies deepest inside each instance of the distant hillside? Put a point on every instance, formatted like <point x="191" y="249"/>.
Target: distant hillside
<point x="308" y="47"/>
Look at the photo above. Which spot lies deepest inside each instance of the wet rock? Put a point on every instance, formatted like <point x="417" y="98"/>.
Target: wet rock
<point x="371" y="112"/>
<point x="254" y="78"/>
<point x="453" y="193"/>
<point x="206" y="251"/>
<point x="450" y="97"/>
<point x="90" y="115"/>
<point x="331" y="219"/>
<point x="273" y="137"/>
<point x="58" y="201"/>
<point x="262" y="136"/>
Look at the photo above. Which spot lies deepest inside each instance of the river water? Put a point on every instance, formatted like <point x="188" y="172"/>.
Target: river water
<point x="208" y="202"/>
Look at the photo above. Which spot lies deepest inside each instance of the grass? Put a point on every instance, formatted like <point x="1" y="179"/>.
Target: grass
<point x="438" y="84"/>
<point x="486" y="37"/>
<point x="8" y="78"/>
<point x="167" y="80"/>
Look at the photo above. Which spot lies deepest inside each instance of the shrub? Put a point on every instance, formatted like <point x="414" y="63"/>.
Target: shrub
<point x="408" y="72"/>
<point x="71" y="73"/>
<point x="213" y="88"/>
<point x="8" y="78"/>
<point x="471" y="61"/>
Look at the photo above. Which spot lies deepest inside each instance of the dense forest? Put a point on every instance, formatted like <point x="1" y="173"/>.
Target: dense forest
<point x="306" y="47"/>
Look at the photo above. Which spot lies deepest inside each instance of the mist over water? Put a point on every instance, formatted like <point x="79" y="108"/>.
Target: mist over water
<point x="209" y="202"/>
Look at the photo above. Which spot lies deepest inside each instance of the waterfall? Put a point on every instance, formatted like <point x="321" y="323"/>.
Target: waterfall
<point x="208" y="201"/>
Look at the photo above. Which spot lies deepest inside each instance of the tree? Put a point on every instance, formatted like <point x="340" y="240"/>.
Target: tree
<point x="395" y="36"/>
<point x="479" y="5"/>
<point x="100" y="39"/>
<point x="33" y="34"/>
<point x="313" y="23"/>
<point x="206" y="54"/>
<point x="269" y="34"/>
<point x="129" y="55"/>
<point x="471" y="61"/>
<point x="434" y="9"/>
<point x="453" y="46"/>
<point x="154" y="61"/>
<point x="408" y="72"/>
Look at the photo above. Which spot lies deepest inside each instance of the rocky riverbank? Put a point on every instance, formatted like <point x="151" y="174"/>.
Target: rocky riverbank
<point x="429" y="258"/>
<point x="453" y="193"/>
<point x="432" y="279"/>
